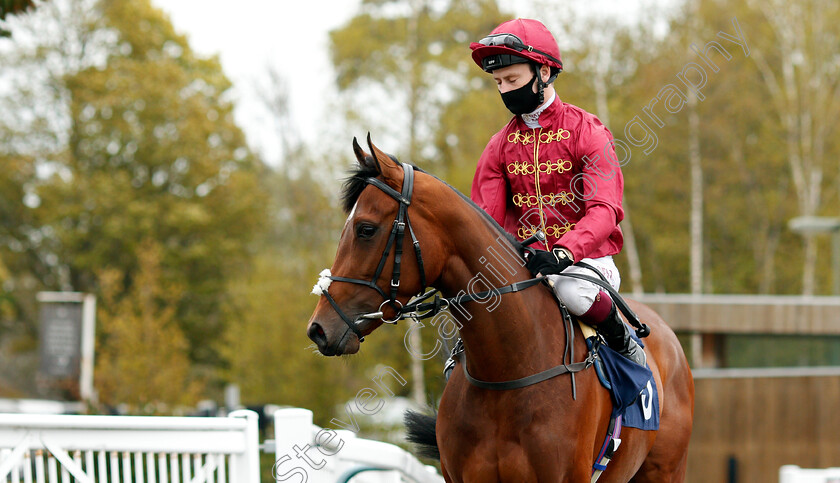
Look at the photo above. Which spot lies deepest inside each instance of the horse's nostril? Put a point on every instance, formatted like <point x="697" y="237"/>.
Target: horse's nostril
<point x="317" y="335"/>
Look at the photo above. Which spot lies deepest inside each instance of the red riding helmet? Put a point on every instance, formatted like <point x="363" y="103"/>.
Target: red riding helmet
<point x="517" y="41"/>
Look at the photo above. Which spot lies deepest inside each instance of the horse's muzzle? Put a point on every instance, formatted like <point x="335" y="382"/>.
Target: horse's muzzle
<point x="316" y="333"/>
<point x="332" y="343"/>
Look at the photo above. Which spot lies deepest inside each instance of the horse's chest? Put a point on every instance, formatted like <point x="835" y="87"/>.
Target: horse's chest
<point x="511" y="436"/>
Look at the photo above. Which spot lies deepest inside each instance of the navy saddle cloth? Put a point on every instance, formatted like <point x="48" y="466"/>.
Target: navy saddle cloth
<point x="632" y="386"/>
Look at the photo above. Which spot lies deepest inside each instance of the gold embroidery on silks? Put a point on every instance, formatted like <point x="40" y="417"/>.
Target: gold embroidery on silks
<point x="519" y="136"/>
<point x="536" y="168"/>
<point x="558" y="135"/>
<point x="527" y="169"/>
<point x="537" y="184"/>
<point x="563" y="197"/>
<point x="551" y="231"/>
<point x="529" y="200"/>
<point x="559" y="166"/>
<point x="546" y="137"/>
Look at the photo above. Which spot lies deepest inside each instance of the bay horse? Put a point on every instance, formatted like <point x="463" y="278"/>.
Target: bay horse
<point x="538" y="433"/>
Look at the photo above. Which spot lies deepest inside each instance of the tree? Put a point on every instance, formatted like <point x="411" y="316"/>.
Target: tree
<point x="601" y="54"/>
<point x="412" y="58"/>
<point x="127" y="135"/>
<point x="800" y="69"/>
<point x="269" y="354"/>
<point x="142" y="358"/>
<point x="153" y="152"/>
<point x="12" y="7"/>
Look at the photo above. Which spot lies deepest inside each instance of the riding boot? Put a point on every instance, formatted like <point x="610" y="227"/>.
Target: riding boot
<point x="617" y="335"/>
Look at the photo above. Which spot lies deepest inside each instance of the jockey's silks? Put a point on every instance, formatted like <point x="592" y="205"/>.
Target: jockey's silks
<point x="563" y="178"/>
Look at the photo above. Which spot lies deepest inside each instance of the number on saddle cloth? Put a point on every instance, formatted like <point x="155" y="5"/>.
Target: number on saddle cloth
<point x="632" y="387"/>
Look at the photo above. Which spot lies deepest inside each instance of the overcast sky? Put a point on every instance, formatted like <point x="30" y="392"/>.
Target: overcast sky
<point x="289" y="34"/>
<point x="292" y="36"/>
<point x="250" y="35"/>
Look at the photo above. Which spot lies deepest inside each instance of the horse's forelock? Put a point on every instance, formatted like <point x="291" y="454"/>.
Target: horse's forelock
<point x="356" y="183"/>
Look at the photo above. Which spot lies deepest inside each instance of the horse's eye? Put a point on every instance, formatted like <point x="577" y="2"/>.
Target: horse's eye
<point x="366" y="231"/>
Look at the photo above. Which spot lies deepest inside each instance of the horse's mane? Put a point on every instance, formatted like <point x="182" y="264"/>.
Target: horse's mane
<point x="356" y="182"/>
<point x="513" y="241"/>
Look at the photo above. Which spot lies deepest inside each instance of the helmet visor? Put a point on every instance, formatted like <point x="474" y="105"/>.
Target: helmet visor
<point x="497" y="61"/>
<point x="511" y="41"/>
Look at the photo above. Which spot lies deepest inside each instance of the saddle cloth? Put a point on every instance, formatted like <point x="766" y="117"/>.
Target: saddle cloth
<point x="632" y="386"/>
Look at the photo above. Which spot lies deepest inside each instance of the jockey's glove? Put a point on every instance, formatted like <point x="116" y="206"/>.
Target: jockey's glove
<point x="549" y="263"/>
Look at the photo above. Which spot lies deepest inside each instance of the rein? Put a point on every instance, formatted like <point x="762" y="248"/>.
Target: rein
<point x="421" y="309"/>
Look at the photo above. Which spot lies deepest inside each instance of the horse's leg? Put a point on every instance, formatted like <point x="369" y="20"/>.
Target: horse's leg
<point x="651" y="472"/>
<point x="666" y="461"/>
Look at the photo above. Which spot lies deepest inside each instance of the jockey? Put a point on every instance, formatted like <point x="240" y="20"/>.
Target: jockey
<point x="553" y="167"/>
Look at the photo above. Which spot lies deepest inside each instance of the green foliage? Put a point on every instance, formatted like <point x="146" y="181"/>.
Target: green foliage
<point x="142" y="358"/>
<point x="420" y="59"/>
<point x="418" y="65"/>
<point x="126" y="176"/>
<point x="154" y="152"/>
<point x="269" y="355"/>
<point x="133" y="139"/>
<point x="749" y="190"/>
<point x="465" y="128"/>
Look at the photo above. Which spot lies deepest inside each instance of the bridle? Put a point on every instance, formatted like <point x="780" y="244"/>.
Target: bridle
<point x="420" y="308"/>
<point x="395" y="239"/>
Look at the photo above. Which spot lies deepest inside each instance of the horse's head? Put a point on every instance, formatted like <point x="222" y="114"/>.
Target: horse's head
<point x="366" y="285"/>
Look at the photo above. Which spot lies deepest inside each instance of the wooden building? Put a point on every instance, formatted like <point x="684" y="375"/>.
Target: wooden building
<point x="748" y="422"/>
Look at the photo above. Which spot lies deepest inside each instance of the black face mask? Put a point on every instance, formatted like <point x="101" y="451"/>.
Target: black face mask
<point x="522" y="100"/>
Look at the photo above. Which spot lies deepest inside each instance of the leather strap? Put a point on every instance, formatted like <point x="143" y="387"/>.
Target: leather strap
<point x="433" y="308"/>
<point x="344" y="317"/>
<point x="528" y="380"/>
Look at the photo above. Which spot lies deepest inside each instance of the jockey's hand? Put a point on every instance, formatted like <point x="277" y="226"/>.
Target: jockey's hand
<point x="549" y="263"/>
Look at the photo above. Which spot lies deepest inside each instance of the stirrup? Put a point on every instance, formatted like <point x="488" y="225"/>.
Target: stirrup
<point x="634" y="352"/>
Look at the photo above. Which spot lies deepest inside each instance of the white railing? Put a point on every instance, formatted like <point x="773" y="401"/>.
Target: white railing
<point x="306" y="452"/>
<point x="795" y="474"/>
<point x="129" y="449"/>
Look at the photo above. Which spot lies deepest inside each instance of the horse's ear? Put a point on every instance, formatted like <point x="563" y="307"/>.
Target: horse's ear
<point x="365" y="160"/>
<point x="389" y="166"/>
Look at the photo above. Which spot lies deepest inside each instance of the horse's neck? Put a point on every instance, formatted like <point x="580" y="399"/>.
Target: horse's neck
<point x="505" y="336"/>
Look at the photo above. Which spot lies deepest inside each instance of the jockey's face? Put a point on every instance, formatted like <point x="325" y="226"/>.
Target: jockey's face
<point x="517" y="75"/>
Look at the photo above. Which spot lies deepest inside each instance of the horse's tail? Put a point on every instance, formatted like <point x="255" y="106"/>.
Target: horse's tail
<point x="420" y="429"/>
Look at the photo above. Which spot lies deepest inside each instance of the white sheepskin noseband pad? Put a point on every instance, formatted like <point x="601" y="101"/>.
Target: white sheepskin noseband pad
<point x="323" y="284"/>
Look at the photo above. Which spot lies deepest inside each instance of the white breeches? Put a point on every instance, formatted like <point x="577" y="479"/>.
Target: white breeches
<point x="579" y="295"/>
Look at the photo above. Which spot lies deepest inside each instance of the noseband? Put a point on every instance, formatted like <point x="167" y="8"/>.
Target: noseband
<point x="396" y="240"/>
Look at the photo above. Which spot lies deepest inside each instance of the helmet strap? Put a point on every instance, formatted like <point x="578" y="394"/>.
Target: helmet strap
<point x="540" y="83"/>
